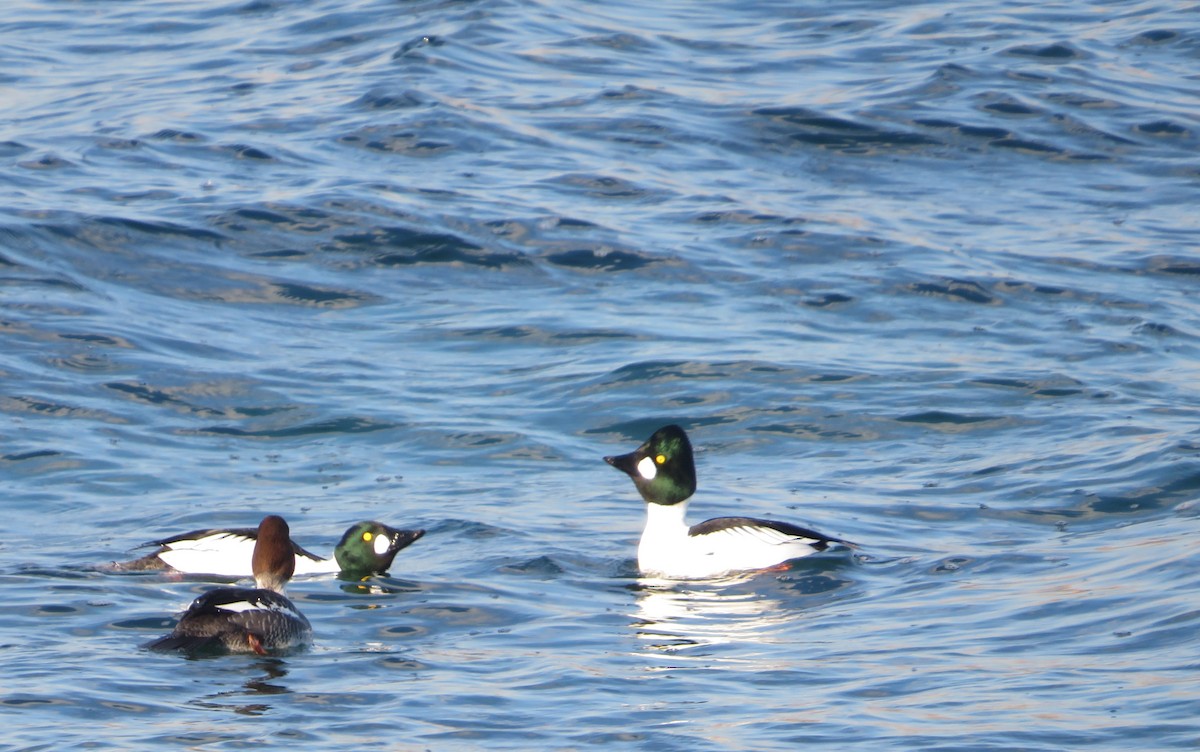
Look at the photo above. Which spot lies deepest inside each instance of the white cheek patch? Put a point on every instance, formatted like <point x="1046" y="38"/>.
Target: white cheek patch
<point x="381" y="544"/>
<point x="647" y="469"/>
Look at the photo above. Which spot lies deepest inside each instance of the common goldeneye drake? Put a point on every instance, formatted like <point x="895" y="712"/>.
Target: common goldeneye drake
<point x="665" y="474"/>
<point x="247" y="620"/>
<point x="366" y="548"/>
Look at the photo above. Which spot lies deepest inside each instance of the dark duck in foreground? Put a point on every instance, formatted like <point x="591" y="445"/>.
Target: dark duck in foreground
<point x="366" y="548"/>
<point x="247" y="620"/>
<point x="665" y="474"/>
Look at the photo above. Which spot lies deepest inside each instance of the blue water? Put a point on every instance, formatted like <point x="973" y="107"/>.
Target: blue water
<point x="919" y="275"/>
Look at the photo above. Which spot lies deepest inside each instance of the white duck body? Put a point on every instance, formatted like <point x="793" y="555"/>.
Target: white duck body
<point x="227" y="553"/>
<point x="670" y="549"/>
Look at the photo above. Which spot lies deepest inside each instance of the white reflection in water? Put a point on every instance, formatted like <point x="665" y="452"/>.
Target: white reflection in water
<point x="675" y="617"/>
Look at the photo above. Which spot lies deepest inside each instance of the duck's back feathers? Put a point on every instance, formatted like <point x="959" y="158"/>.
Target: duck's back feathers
<point x="240" y="620"/>
<point x="249" y="534"/>
<point x="185" y="539"/>
<point x="206" y="540"/>
<point x="769" y="531"/>
<point x="224" y="552"/>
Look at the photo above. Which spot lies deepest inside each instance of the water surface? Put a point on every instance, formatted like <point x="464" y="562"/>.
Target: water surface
<point x="921" y="276"/>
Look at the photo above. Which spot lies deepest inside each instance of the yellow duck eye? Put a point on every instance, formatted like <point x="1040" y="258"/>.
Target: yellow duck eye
<point x="367" y="536"/>
<point x="660" y="459"/>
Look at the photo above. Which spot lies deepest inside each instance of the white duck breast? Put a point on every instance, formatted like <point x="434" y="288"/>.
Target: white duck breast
<point x="670" y="548"/>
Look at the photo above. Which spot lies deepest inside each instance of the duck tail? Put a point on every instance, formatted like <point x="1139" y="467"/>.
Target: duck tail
<point x="187" y="643"/>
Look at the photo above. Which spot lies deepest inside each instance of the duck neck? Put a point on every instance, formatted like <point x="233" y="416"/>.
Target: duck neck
<point x="665" y="522"/>
<point x="665" y="537"/>
<point x="270" y="581"/>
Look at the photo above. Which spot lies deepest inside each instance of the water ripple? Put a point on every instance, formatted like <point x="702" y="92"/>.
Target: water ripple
<point x="917" y="275"/>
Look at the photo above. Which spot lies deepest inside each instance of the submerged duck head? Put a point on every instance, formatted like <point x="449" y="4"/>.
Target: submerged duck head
<point x="274" y="559"/>
<point x="662" y="469"/>
<point x="369" y="547"/>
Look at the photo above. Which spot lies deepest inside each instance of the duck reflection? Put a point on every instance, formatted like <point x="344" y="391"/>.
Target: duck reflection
<point x="672" y="615"/>
<point x="376" y="585"/>
<point x="265" y="683"/>
<point x="695" y="618"/>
